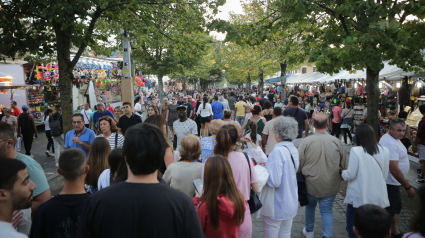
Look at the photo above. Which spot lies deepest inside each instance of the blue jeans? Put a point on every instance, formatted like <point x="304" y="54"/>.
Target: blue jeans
<point x="350" y="221"/>
<point x="325" y="205"/>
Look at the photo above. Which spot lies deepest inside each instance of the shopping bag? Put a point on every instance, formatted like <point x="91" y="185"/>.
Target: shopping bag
<point x="18" y="144"/>
<point x="258" y="154"/>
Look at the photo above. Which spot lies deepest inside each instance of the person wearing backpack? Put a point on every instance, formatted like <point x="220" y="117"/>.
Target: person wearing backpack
<point x="26" y="129"/>
<point x="56" y="131"/>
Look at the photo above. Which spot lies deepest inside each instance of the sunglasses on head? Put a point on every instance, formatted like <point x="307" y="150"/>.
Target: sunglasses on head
<point x="398" y="119"/>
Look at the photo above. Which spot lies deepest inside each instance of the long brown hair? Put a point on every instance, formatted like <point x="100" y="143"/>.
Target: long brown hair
<point x="97" y="160"/>
<point x="218" y="180"/>
<point x="253" y="134"/>
<point x="226" y="139"/>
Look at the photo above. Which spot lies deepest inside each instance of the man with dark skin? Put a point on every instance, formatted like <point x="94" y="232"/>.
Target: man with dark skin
<point x="183" y="127"/>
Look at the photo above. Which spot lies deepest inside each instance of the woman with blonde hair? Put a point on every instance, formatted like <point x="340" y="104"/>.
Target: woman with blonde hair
<point x="208" y="143"/>
<point x="109" y="130"/>
<point x="117" y="113"/>
<point x="221" y="208"/>
<point x="86" y="113"/>
<point x="242" y="166"/>
<point x="97" y="161"/>
<point x="181" y="175"/>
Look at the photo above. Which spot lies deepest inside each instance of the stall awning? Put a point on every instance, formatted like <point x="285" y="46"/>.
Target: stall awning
<point x="275" y="79"/>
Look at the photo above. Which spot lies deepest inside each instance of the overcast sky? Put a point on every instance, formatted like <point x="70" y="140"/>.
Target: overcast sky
<point x="233" y="6"/>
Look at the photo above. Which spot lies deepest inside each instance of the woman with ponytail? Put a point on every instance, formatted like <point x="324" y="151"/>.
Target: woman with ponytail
<point x="205" y="112"/>
<point x="243" y="171"/>
<point x="257" y="119"/>
<point x="254" y="136"/>
<point x="221" y="208"/>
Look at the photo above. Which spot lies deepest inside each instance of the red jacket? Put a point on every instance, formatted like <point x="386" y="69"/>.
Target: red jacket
<point x="228" y="228"/>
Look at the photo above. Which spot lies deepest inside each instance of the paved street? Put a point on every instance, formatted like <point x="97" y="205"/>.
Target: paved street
<point x="409" y="205"/>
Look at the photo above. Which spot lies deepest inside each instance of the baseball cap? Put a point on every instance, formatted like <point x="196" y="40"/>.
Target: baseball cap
<point x="24" y="107"/>
<point x="181" y="106"/>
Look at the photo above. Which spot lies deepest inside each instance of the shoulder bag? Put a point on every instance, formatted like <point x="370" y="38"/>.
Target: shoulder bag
<point x="86" y="116"/>
<point x="254" y="202"/>
<point x="302" y="187"/>
<point x="116" y="140"/>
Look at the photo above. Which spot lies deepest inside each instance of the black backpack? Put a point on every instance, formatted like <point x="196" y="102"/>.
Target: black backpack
<point x="55" y="126"/>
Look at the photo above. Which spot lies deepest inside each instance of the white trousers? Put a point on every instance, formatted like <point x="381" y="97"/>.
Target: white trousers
<point x="277" y="228"/>
<point x="58" y="143"/>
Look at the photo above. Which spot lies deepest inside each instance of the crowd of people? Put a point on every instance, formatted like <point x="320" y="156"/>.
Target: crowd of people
<point x="126" y="175"/>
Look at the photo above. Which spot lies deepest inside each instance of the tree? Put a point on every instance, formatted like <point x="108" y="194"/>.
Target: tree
<point x="41" y="27"/>
<point x="360" y="34"/>
<point x="261" y="26"/>
<point x="209" y="68"/>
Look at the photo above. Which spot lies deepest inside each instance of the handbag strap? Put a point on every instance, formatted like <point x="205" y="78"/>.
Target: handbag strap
<point x="377" y="162"/>
<point x="249" y="165"/>
<point x="86" y="115"/>
<point x="292" y="158"/>
<point x="116" y="139"/>
<point x="347" y="114"/>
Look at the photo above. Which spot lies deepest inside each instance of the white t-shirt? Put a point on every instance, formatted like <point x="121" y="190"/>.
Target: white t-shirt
<point x="182" y="129"/>
<point x="104" y="179"/>
<point x="205" y="112"/>
<point x="138" y="107"/>
<point x="7" y="231"/>
<point x="111" y="140"/>
<point x="398" y="153"/>
<point x="46" y="123"/>
<point x="86" y="115"/>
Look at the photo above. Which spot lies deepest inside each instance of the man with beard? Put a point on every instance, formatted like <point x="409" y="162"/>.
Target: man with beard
<point x="183" y="127"/>
<point x="59" y="217"/>
<point x="35" y="171"/>
<point x="16" y="190"/>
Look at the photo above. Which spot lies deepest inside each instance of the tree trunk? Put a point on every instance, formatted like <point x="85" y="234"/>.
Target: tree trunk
<point x="372" y="82"/>
<point x="160" y="88"/>
<point x="260" y="81"/>
<point x="184" y="79"/>
<point x="66" y="77"/>
<point x="283" y="81"/>
<point x="248" y="83"/>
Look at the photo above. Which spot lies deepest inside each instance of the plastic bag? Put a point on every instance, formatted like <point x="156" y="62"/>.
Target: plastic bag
<point x="18" y="144"/>
<point x="258" y="154"/>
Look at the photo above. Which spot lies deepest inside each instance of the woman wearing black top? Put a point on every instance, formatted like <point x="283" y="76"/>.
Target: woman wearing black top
<point x="198" y="117"/>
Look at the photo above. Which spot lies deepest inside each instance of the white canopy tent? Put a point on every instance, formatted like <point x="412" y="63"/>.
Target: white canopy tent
<point x="389" y="72"/>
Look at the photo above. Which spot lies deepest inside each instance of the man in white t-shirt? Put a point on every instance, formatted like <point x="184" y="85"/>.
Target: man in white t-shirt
<point x="399" y="167"/>
<point x="183" y="127"/>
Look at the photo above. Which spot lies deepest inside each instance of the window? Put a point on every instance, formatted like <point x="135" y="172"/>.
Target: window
<point x="304" y="70"/>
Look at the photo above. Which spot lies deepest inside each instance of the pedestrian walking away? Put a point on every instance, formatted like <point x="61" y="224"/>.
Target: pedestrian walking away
<point x="321" y="157"/>
<point x="27" y="129"/>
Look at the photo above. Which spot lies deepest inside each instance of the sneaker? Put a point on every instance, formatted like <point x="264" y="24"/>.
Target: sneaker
<point x="48" y="153"/>
<point x="32" y="156"/>
<point x="420" y="181"/>
<point x="420" y="177"/>
<point x="57" y="165"/>
<point x="308" y="234"/>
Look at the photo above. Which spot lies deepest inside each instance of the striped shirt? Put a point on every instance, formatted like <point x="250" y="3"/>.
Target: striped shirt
<point x="111" y="139"/>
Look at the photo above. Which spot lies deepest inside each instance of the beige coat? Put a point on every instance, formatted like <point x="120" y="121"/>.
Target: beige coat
<point x="321" y="155"/>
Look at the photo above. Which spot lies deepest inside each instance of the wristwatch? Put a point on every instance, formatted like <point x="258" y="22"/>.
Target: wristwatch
<point x="409" y="187"/>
